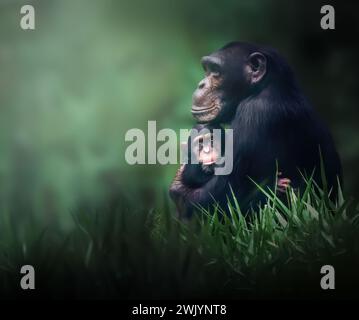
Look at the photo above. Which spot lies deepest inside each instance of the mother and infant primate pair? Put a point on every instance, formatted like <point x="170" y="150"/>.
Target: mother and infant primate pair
<point x="275" y="129"/>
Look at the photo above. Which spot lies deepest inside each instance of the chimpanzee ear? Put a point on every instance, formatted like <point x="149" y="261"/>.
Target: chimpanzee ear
<point x="257" y="63"/>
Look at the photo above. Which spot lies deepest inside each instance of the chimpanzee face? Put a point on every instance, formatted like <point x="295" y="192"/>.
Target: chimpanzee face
<point x="230" y="75"/>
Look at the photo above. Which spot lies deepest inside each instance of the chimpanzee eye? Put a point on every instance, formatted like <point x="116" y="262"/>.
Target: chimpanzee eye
<point x="216" y="73"/>
<point x="212" y="69"/>
<point x="200" y="143"/>
<point x="206" y="70"/>
<point x="215" y="70"/>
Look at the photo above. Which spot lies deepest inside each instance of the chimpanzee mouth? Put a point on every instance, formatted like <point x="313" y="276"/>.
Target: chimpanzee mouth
<point x="199" y="110"/>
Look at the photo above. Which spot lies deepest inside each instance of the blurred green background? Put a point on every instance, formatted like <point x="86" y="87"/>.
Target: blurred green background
<point x="91" y="70"/>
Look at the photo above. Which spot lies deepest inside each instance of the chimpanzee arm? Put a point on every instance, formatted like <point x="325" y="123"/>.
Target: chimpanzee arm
<point x="196" y="175"/>
<point x="186" y="198"/>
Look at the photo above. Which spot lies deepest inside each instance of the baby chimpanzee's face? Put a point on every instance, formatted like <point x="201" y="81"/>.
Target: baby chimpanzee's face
<point x="208" y="149"/>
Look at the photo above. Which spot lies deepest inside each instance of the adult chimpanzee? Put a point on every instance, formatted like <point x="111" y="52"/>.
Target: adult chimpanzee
<point x="253" y="89"/>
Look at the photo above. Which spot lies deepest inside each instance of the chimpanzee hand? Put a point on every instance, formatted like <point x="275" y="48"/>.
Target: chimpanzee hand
<point x="282" y="183"/>
<point x="207" y="154"/>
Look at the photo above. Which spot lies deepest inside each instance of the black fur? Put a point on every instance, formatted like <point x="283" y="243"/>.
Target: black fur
<point x="274" y="124"/>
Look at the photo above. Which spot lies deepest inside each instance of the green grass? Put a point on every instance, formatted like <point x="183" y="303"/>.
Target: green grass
<point x="120" y="251"/>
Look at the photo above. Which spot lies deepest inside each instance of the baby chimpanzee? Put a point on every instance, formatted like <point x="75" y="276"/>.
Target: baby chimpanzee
<point x="204" y="148"/>
<point x="204" y="151"/>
